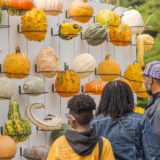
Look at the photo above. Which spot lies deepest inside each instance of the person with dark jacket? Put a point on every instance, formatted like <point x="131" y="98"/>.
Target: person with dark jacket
<point x="152" y="83"/>
<point x="130" y="133"/>
<point x="82" y="143"/>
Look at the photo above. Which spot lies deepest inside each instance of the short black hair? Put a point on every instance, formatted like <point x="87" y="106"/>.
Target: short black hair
<point x="82" y="107"/>
<point x="116" y="100"/>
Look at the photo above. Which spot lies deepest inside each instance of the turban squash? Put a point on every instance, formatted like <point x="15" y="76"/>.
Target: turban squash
<point x="67" y="83"/>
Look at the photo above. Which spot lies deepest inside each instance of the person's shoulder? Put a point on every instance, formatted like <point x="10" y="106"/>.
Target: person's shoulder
<point x="138" y="116"/>
<point x="100" y="117"/>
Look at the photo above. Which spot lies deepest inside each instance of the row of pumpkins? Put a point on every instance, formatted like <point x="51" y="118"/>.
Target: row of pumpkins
<point x="120" y="28"/>
<point x="67" y="83"/>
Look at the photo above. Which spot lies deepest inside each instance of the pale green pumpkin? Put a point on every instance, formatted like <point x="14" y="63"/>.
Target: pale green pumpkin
<point x="34" y="85"/>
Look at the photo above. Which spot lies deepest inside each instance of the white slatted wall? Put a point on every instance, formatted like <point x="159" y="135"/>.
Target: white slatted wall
<point x="66" y="51"/>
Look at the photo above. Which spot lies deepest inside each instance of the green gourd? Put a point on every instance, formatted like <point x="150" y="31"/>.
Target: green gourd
<point x="34" y="85"/>
<point x="16" y="127"/>
<point x="96" y="34"/>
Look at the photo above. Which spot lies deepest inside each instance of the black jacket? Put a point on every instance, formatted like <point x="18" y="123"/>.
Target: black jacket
<point x="153" y="113"/>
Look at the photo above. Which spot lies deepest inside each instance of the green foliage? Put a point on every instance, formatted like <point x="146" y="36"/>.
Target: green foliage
<point x="57" y="133"/>
<point x="132" y="3"/>
<point x="142" y="102"/>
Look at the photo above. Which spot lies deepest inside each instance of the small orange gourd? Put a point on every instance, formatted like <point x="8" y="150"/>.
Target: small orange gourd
<point x="110" y="67"/>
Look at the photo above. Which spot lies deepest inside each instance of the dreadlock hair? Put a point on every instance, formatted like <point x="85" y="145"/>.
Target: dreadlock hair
<point x="116" y="100"/>
<point x="82" y="107"/>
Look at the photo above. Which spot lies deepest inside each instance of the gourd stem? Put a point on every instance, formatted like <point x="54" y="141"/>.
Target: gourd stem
<point x="85" y="1"/>
<point x="106" y="25"/>
<point x="18" y="49"/>
<point x="65" y="66"/>
<point x="25" y="87"/>
<point x="107" y="56"/>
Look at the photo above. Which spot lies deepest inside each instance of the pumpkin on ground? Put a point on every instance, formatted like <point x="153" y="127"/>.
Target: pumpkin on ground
<point x="126" y="81"/>
<point x="16" y="127"/>
<point x="96" y="34"/>
<point x="138" y="109"/>
<point x="141" y="92"/>
<point x="94" y="87"/>
<point x="48" y="61"/>
<point x="133" y="76"/>
<point x="6" y="88"/>
<point x="85" y="64"/>
<point x="110" y="67"/>
<point x="50" y="7"/>
<point x="67" y="83"/>
<point x="36" y="152"/>
<point x="120" y="36"/>
<point x="133" y="19"/>
<point x="16" y="7"/>
<point x="17" y="63"/>
<point x="107" y="15"/>
<point x="144" y="42"/>
<point x="8" y="147"/>
<point x="34" y="25"/>
<point x="80" y="11"/>
<point x="51" y="122"/>
<point x="69" y="30"/>
<point x="34" y="85"/>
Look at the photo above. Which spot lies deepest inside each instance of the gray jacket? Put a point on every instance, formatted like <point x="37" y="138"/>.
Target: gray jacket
<point x="153" y="113"/>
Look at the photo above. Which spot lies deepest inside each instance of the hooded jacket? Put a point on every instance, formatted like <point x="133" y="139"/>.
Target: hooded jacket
<point x="153" y="113"/>
<point x="80" y="146"/>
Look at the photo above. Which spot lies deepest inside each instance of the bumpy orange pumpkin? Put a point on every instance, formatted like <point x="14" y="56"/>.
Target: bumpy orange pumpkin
<point x="120" y="36"/>
<point x="8" y="147"/>
<point x="141" y="92"/>
<point x="94" y="87"/>
<point x="110" y="67"/>
<point x="126" y="81"/>
<point x="18" y="63"/>
<point x="67" y="83"/>
<point x="80" y="11"/>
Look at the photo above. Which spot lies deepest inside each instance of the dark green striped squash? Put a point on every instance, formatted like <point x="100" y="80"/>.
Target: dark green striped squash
<point x="96" y="34"/>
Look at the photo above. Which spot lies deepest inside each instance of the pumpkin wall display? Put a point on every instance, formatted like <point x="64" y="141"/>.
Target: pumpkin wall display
<point x="96" y="34"/>
<point x="69" y="30"/>
<point x="67" y="83"/>
<point x="94" y="87"/>
<point x="84" y="65"/>
<point x="144" y="42"/>
<point x="106" y="15"/>
<point x="16" y="7"/>
<point x="141" y="92"/>
<point x="120" y="36"/>
<point x="34" y="25"/>
<point x="133" y="19"/>
<point x="48" y="61"/>
<point x="17" y="127"/>
<point x="6" y="88"/>
<point x="50" y="7"/>
<point x="17" y="63"/>
<point x="8" y="147"/>
<point x="36" y="152"/>
<point x="51" y="122"/>
<point x="110" y="67"/>
<point x="132" y="74"/>
<point x="34" y="85"/>
<point x="80" y="11"/>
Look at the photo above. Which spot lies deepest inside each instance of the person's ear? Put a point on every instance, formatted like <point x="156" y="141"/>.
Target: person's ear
<point x="71" y="122"/>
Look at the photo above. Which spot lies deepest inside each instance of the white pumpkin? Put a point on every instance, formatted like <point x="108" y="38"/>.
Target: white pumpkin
<point x="34" y="85"/>
<point x="133" y="19"/>
<point x="51" y="7"/>
<point x="6" y="87"/>
<point x="83" y="63"/>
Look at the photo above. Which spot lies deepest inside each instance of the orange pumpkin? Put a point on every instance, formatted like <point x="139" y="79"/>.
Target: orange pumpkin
<point x="17" y="4"/>
<point x="120" y="36"/>
<point x="8" y="147"/>
<point x="110" y="67"/>
<point x="80" y="11"/>
<point x="95" y="87"/>
<point x="67" y="83"/>
<point x="126" y="81"/>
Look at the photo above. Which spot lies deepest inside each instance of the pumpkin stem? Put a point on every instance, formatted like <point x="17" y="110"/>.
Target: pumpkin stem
<point x="18" y="49"/>
<point x="25" y="87"/>
<point x="65" y="66"/>
<point x="107" y="56"/>
<point x="85" y="1"/>
<point x="106" y="25"/>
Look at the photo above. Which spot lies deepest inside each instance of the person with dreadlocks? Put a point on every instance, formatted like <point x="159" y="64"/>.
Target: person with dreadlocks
<point x="131" y="134"/>
<point x="81" y="143"/>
